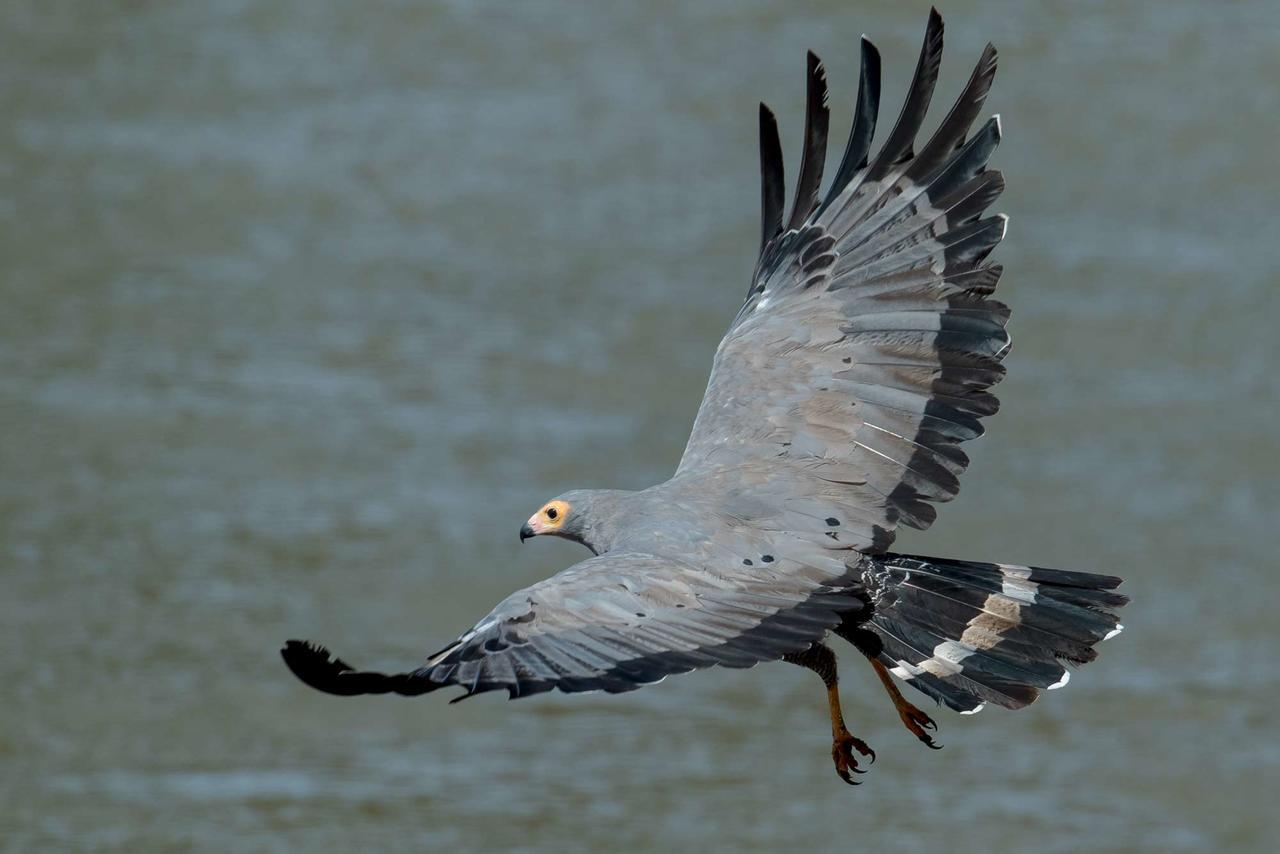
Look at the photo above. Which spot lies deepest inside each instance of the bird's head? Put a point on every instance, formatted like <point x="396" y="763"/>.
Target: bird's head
<point x="552" y="518"/>
<point x="585" y="516"/>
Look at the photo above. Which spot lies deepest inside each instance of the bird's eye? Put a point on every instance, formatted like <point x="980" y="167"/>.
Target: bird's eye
<point x="552" y="513"/>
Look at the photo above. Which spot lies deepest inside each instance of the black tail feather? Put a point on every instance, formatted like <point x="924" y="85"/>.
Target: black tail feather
<point x="967" y="633"/>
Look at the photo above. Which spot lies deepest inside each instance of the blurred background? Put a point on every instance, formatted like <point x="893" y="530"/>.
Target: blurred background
<point x="305" y="307"/>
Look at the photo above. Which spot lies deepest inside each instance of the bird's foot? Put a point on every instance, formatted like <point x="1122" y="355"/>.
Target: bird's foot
<point x="917" y="722"/>
<point x="843" y="746"/>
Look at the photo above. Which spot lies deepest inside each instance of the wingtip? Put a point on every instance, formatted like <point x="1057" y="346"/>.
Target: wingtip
<point x="935" y="20"/>
<point x="313" y="664"/>
<point x="870" y="51"/>
<point x="989" y="62"/>
<point x="294" y="647"/>
<point x="817" y="73"/>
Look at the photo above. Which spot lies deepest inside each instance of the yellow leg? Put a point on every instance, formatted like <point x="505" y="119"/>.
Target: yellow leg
<point x="821" y="660"/>
<point x="915" y="720"/>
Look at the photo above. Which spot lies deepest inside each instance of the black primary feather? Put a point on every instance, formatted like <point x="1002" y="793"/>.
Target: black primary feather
<point x="814" y="154"/>
<point x="897" y="147"/>
<point x="772" y="179"/>
<point x="950" y="134"/>
<point x="865" y="113"/>
<point x="314" y="665"/>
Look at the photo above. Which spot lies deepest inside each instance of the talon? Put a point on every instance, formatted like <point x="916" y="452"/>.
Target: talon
<point x="928" y="742"/>
<point x="912" y="718"/>
<point x="917" y="722"/>
<point x="864" y="749"/>
<point x="843" y="768"/>
<point x="842" y="750"/>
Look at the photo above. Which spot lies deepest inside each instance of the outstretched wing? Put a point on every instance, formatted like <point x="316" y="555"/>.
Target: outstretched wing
<point x="866" y="346"/>
<point x="612" y="623"/>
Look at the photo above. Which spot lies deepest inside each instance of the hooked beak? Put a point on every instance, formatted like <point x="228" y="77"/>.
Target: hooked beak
<point x="526" y="532"/>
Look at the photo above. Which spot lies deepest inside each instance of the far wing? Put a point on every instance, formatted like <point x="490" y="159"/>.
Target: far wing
<point x="865" y="349"/>
<point x="612" y="623"/>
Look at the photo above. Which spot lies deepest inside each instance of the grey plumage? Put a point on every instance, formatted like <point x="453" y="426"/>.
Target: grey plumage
<point x="863" y="355"/>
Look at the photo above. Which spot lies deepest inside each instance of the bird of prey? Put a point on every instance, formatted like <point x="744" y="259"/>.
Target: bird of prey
<point x="861" y="359"/>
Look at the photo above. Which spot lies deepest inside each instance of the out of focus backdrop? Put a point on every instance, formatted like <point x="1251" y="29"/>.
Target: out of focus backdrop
<point x="305" y="307"/>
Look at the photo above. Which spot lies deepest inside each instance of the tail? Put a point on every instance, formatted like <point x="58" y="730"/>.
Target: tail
<point x="969" y="633"/>
<point x="313" y="665"/>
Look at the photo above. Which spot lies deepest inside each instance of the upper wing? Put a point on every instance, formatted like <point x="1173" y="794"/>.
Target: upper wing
<point x="613" y="623"/>
<point x="867" y="344"/>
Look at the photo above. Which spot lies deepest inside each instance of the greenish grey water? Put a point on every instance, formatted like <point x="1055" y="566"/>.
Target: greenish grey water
<point x="306" y="306"/>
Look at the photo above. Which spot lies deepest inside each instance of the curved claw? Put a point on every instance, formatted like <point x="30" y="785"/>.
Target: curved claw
<point x="919" y="718"/>
<point x="842" y="750"/>
<point x="926" y="739"/>
<point x="845" y="764"/>
<point x="917" y="722"/>
<point x="860" y="746"/>
<point x="844" y="775"/>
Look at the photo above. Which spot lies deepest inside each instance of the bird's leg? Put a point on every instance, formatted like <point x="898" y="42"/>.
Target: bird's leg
<point x="821" y="660"/>
<point x="869" y="644"/>
<point x="915" y="720"/>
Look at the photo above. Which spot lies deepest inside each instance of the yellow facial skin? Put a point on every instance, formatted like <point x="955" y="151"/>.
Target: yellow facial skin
<point x="548" y="520"/>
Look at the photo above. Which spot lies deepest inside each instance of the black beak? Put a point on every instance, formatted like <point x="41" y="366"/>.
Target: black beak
<point x="526" y="532"/>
